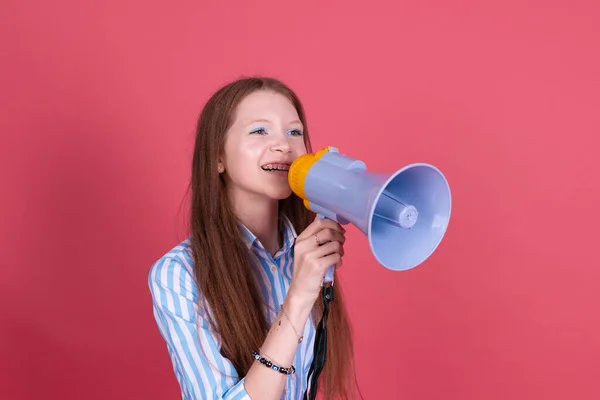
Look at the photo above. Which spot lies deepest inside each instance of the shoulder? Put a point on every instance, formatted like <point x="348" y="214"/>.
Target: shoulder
<point x="174" y="272"/>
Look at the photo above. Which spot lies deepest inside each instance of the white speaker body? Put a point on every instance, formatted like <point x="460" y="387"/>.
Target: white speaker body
<point x="404" y="214"/>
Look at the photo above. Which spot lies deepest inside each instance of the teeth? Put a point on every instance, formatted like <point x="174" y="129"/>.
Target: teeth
<point x="276" y="167"/>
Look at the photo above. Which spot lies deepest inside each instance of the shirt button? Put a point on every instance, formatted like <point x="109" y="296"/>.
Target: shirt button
<point x="273" y="269"/>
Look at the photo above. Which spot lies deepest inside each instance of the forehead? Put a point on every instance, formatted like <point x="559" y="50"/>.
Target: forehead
<point x="265" y="104"/>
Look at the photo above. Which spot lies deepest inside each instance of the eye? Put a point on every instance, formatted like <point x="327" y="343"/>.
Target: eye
<point x="260" y="131"/>
<point x="296" y="132"/>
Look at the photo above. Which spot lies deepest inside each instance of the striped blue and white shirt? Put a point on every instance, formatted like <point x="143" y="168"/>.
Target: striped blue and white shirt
<point x="201" y="370"/>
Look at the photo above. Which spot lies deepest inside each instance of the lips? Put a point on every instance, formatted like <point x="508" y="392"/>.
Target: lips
<point x="276" y="167"/>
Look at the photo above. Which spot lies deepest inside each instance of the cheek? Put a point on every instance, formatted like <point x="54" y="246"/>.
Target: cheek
<point x="300" y="148"/>
<point x="241" y="159"/>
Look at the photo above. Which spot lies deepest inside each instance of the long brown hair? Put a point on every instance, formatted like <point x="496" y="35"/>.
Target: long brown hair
<point x="222" y="264"/>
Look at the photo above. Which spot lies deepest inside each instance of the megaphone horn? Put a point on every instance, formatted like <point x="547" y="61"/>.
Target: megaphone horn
<point x="404" y="214"/>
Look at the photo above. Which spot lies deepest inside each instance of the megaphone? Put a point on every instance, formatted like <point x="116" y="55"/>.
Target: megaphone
<point x="404" y="214"/>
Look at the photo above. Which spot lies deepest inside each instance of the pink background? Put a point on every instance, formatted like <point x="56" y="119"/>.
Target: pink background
<point x="98" y="103"/>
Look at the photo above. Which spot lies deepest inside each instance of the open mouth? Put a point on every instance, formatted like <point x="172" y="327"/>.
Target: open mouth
<point x="276" y="167"/>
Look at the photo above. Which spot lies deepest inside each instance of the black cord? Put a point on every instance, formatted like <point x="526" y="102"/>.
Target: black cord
<point x="320" y="346"/>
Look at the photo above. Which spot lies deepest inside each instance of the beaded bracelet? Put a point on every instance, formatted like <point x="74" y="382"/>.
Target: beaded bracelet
<point x="264" y="361"/>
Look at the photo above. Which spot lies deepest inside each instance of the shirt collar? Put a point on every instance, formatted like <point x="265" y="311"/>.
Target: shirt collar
<point x="289" y="234"/>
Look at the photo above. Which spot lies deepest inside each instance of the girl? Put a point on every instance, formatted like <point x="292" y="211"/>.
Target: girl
<point x="237" y="302"/>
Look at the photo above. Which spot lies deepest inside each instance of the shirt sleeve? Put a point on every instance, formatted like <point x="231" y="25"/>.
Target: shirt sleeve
<point x="200" y="369"/>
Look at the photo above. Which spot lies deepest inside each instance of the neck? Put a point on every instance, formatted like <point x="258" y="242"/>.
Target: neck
<point x="261" y="217"/>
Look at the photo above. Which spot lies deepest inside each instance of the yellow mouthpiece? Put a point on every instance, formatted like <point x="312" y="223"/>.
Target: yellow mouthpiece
<point x="299" y="169"/>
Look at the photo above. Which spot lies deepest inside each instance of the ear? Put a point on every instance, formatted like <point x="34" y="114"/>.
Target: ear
<point x="220" y="167"/>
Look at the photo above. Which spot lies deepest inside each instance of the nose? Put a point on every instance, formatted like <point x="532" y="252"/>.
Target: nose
<point x="281" y="144"/>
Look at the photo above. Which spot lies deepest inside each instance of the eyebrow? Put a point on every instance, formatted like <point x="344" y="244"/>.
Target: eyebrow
<point x="296" y="121"/>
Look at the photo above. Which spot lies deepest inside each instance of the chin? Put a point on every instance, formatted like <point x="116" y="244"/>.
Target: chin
<point x="279" y="194"/>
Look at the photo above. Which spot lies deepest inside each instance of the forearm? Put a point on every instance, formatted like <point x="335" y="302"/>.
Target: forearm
<point x="280" y="348"/>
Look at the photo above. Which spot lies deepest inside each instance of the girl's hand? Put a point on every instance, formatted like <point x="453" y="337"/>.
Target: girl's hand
<point x="317" y="248"/>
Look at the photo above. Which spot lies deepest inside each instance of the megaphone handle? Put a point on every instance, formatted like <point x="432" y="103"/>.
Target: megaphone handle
<point x="329" y="273"/>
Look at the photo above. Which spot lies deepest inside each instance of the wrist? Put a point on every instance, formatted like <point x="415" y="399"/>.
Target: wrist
<point x="297" y="307"/>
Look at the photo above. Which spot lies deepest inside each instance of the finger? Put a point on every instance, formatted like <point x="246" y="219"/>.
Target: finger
<point x="319" y="239"/>
<point x="334" y="259"/>
<point x="326" y="223"/>
<point x="318" y="225"/>
<point x="326" y="250"/>
<point x="329" y="235"/>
